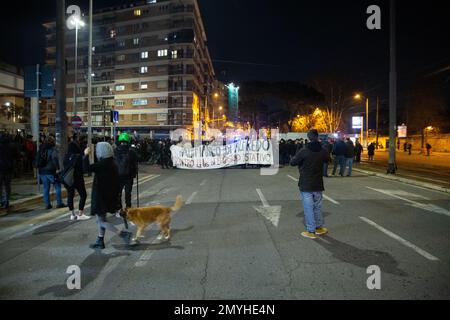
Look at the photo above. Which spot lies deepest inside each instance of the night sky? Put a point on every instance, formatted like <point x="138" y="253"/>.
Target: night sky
<point x="279" y="40"/>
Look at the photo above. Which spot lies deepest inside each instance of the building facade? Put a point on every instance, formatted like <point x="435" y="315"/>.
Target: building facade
<point x="14" y="108"/>
<point x="150" y="60"/>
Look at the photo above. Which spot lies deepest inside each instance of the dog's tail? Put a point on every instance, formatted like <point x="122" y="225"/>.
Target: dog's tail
<point x="178" y="204"/>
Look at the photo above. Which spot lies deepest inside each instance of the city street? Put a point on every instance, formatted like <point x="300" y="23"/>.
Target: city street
<point x="238" y="237"/>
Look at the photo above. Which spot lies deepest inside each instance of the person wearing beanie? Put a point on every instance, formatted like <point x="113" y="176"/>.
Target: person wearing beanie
<point x="105" y="191"/>
<point x="310" y="161"/>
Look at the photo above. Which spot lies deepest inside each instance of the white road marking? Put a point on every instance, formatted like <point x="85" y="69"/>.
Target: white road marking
<point x="329" y="199"/>
<point x="414" y="186"/>
<point x="203" y="183"/>
<point x="271" y="213"/>
<point x="263" y="199"/>
<point x="146" y="256"/>
<point x="427" y="207"/>
<point x="401" y="240"/>
<point x="191" y="198"/>
<point x="324" y="195"/>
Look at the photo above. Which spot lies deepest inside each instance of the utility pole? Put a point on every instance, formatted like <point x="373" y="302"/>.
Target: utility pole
<point x="378" y="117"/>
<point x="367" y="122"/>
<point x="74" y="109"/>
<point x="392" y="93"/>
<point x="89" y="102"/>
<point x="61" y="117"/>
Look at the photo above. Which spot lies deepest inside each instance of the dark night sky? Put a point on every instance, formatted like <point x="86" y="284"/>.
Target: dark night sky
<point x="279" y="40"/>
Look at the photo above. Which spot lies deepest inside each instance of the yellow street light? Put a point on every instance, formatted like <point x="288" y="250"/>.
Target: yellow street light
<point x="430" y="128"/>
<point x="216" y="95"/>
<point x="358" y="96"/>
<point x="220" y="108"/>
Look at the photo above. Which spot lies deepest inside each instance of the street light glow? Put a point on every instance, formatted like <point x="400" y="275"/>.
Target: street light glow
<point x="358" y="96"/>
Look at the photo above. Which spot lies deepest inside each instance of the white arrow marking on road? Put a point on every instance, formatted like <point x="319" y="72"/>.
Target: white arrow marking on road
<point x="423" y="206"/>
<point x="401" y="240"/>
<point x="323" y="194"/>
<point x="271" y="213"/>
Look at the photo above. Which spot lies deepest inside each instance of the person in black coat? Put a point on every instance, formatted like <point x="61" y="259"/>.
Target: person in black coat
<point x="105" y="191"/>
<point x="127" y="161"/>
<point x="8" y="155"/>
<point x="310" y="161"/>
<point x="349" y="156"/>
<point x="74" y="159"/>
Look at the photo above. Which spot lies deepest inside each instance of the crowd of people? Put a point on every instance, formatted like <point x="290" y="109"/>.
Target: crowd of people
<point x="342" y="152"/>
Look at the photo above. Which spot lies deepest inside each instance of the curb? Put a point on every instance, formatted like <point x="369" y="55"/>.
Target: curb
<point x="405" y="180"/>
<point x="24" y="203"/>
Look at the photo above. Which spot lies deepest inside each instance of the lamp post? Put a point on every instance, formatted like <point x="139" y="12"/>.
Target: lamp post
<point x="359" y="97"/>
<point x="74" y="22"/>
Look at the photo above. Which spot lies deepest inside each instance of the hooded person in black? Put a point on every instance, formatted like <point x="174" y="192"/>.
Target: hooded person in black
<point x="105" y="192"/>
<point x="74" y="159"/>
<point x="128" y="166"/>
<point x="310" y="161"/>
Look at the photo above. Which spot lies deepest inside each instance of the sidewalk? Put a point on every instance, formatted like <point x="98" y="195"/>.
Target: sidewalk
<point x="435" y="160"/>
<point x="25" y="191"/>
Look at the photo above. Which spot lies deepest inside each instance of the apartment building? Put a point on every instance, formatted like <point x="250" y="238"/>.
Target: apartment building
<point x="149" y="61"/>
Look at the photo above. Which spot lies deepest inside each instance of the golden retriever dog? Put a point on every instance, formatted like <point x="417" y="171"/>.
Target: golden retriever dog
<point x="143" y="217"/>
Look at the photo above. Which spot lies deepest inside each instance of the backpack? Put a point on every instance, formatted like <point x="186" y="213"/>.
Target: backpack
<point x="123" y="162"/>
<point x="42" y="159"/>
<point x="67" y="176"/>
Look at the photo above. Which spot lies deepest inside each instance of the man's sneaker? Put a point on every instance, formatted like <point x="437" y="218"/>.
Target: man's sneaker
<point x="321" y="231"/>
<point x="99" y="244"/>
<point x="126" y="237"/>
<point x="73" y="217"/>
<point x="83" y="217"/>
<point x="309" y="235"/>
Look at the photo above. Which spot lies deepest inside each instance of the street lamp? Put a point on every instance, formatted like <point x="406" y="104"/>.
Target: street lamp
<point x="360" y="97"/>
<point x="74" y="22"/>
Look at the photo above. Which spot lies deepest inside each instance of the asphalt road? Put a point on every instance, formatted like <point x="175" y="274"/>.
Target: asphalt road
<point x="238" y="237"/>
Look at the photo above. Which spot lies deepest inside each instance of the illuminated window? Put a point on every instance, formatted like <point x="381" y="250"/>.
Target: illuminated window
<point x="143" y="70"/>
<point x="161" y="101"/>
<point x="121" y="57"/>
<point x="144" y="55"/>
<point x="137" y="12"/>
<point x="136" y="41"/>
<point x="144" y="85"/>
<point x="120" y="103"/>
<point x="162" y="53"/>
<point x="174" y="54"/>
<point x="112" y="34"/>
<point x="120" y="88"/>
<point x="140" y="102"/>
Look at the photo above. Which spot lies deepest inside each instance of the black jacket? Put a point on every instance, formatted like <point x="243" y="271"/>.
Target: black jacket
<point x="74" y="158"/>
<point x="310" y="162"/>
<point x="52" y="160"/>
<point x="339" y="148"/>
<point x="105" y="187"/>
<point x="349" y="150"/>
<point x="8" y="154"/>
<point x="126" y="160"/>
